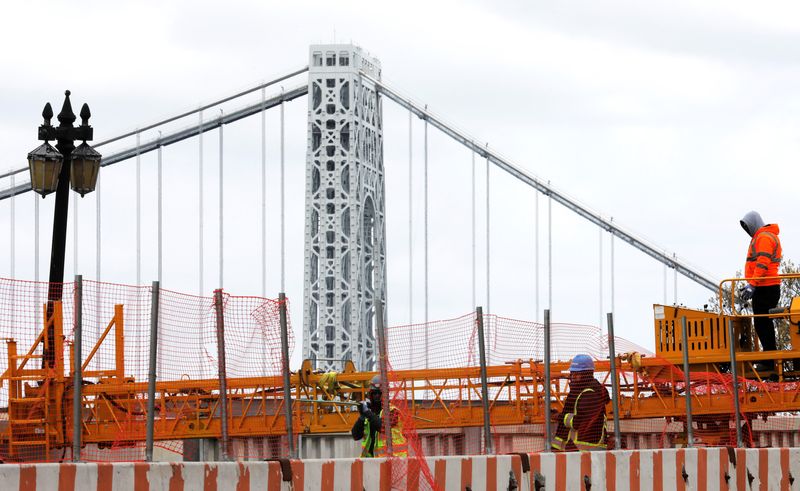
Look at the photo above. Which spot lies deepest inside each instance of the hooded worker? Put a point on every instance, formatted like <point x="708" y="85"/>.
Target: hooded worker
<point x="368" y="426"/>
<point x="582" y="423"/>
<point x="763" y="261"/>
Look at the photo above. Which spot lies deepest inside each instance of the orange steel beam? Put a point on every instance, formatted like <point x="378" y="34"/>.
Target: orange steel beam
<point x="436" y="398"/>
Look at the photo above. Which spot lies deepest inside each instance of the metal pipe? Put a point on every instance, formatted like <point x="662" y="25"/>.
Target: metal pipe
<point x="612" y="353"/>
<point x="548" y="433"/>
<point x="735" y="382"/>
<point x="287" y="387"/>
<point x="77" y="373"/>
<point x="386" y="419"/>
<point x="223" y="381"/>
<point x="487" y="429"/>
<point x="151" y="370"/>
<point x="687" y="383"/>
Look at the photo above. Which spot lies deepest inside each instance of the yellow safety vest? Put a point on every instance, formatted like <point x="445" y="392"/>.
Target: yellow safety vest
<point x="399" y="442"/>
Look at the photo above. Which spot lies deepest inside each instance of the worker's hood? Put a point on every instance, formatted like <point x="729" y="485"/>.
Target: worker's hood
<point x="751" y="222"/>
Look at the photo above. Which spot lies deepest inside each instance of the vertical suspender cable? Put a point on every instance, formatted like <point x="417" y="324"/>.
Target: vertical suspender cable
<point x="160" y="252"/>
<point x="612" y="271"/>
<point x="675" y="282"/>
<point x="474" y="285"/>
<point x="425" y="235"/>
<point x="283" y="203"/>
<point x="600" y="282"/>
<point x="13" y="225"/>
<point x="263" y="195"/>
<point x="12" y="235"/>
<point x="36" y="248"/>
<point x="410" y="223"/>
<point x="536" y="251"/>
<point x="98" y="234"/>
<point x="38" y="319"/>
<point x="221" y="202"/>
<point x="665" y="284"/>
<point x="160" y="219"/>
<point x="138" y="212"/>
<point x="549" y="250"/>
<point x="200" y="203"/>
<point x="488" y="243"/>
<point x="74" y="234"/>
<point x="263" y="221"/>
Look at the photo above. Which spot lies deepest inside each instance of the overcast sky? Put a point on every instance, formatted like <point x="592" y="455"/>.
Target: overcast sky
<point x="674" y="118"/>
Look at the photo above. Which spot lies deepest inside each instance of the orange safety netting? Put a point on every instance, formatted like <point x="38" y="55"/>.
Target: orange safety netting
<point x="36" y="424"/>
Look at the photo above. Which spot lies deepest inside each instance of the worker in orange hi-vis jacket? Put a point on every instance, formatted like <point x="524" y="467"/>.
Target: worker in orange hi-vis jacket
<point x="763" y="260"/>
<point x="582" y="423"/>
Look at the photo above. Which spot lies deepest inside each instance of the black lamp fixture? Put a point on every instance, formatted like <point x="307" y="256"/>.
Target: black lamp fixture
<point x="45" y="162"/>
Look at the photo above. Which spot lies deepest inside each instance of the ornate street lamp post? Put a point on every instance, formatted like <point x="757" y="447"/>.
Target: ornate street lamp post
<point x="54" y="169"/>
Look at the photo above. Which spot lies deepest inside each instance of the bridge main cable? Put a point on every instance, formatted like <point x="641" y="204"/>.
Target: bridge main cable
<point x="546" y="189"/>
<point x="181" y="135"/>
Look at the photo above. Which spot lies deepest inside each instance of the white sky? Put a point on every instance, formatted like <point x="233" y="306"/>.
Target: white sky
<point x="674" y="118"/>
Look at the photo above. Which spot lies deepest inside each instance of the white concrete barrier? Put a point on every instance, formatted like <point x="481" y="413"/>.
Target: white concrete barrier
<point x="684" y="469"/>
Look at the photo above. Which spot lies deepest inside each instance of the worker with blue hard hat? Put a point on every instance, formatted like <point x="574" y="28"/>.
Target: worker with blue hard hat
<point x="582" y="423"/>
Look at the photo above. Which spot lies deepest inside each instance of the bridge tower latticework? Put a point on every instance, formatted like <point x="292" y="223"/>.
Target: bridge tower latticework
<point x="344" y="222"/>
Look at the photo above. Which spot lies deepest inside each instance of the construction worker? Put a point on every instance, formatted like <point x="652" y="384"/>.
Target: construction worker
<point x="367" y="427"/>
<point x="763" y="260"/>
<point x="582" y="423"/>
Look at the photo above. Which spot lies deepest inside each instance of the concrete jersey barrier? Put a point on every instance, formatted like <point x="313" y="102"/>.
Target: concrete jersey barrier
<point x="701" y="469"/>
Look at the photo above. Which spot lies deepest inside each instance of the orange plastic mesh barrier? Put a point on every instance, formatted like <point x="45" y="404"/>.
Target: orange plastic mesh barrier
<point x="116" y="320"/>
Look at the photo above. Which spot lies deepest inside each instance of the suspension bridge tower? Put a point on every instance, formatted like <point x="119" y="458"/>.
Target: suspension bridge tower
<point x="344" y="222"/>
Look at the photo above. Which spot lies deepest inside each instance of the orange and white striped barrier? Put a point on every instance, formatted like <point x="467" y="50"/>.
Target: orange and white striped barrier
<point x="685" y="469"/>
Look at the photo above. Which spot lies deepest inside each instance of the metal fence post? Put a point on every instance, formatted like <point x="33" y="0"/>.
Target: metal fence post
<point x="287" y="387"/>
<point x="548" y="435"/>
<point x="386" y="419"/>
<point x="612" y="353"/>
<point x="151" y="370"/>
<point x="223" y="382"/>
<point x="77" y="382"/>
<point x="687" y="381"/>
<point x="736" y="408"/>
<point x="487" y="430"/>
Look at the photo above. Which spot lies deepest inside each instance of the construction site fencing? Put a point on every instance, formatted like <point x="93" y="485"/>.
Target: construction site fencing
<point x="204" y="408"/>
<point x="37" y="371"/>
<point x="443" y="401"/>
